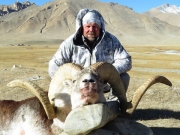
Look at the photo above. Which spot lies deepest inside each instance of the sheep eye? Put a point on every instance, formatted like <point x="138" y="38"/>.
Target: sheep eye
<point x="74" y="81"/>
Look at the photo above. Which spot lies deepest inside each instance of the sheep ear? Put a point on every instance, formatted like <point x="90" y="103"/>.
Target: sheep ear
<point x="67" y="83"/>
<point x="38" y="92"/>
<point x="65" y="72"/>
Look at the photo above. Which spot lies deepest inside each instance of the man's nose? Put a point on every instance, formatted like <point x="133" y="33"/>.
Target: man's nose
<point x="90" y="28"/>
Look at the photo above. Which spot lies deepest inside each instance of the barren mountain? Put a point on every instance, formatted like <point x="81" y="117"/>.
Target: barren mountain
<point x="46" y="26"/>
<point x="167" y="13"/>
<point x="56" y="21"/>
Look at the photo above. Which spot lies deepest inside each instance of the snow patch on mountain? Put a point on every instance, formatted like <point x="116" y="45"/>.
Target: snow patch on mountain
<point x="167" y="8"/>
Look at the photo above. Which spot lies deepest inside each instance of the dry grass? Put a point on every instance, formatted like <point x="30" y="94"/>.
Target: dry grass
<point x="159" y="107"/>
<point x="147" y="60"/>
<point x="28" y="56"/>
<point x="153" y="60"/>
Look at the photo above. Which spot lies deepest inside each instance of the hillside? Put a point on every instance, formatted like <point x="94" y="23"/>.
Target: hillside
<point x="56" y="21"/>
<point x="167" y="13"/>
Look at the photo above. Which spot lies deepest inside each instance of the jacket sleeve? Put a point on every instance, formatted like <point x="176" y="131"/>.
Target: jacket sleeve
<point x="60" y="57"/>
<point x="122" y="60"/>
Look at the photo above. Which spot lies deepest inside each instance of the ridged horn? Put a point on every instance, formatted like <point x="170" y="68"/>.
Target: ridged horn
<point x="109" y="73"/>
<point x="143" y="88"/>
<point x="65" y="72"/>
<point x="38" y="92"/>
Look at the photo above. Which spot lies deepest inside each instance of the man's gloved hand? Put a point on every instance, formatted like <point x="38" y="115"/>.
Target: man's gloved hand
<point x="106" y="88"/>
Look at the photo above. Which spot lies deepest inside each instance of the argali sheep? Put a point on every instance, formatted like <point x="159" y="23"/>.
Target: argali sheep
<point x="70" y="88"/>
<point x="25" y="117"/>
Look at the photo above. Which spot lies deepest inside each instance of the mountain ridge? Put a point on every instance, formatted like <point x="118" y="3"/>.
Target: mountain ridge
<point x="56" y="20"/>
<point x="166" y="12"/>
<point x="167" y="8"/>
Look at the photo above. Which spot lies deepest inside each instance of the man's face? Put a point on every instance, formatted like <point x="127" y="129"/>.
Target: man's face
<point x="91" y="31"/>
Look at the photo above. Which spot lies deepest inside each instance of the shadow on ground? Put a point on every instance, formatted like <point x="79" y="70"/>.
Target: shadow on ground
<point x="153" y="114"/>
<point x="165" y="131"/>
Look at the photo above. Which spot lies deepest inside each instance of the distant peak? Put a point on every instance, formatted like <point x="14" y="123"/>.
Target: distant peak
<point x="17" y="6"/>
<point x="166" y="5"/>
<point x="167" y="8"/>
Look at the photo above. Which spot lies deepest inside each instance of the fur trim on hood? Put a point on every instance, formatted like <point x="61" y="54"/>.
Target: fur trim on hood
<point x="82" y="13"/>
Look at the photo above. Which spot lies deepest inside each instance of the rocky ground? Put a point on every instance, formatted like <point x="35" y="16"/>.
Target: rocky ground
<point x="159" y="108"/>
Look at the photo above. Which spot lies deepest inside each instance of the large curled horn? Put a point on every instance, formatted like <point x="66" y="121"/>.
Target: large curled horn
<point x="38" y="92"/>
<point x="65" y="72"/>
<point x="143" y="88"/>
<point x="109" y="74"/>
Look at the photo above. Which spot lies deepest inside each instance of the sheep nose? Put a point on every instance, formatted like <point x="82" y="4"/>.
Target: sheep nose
<point x="88" y="80"/>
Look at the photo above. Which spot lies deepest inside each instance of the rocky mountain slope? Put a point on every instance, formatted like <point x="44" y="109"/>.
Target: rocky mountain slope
<point x="166" y="12"/>
<point x="56" y="20"/>
<point x="17" y="6"/>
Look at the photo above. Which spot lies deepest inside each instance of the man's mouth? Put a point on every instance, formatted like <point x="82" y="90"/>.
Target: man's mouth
<point x="92" y="35"/>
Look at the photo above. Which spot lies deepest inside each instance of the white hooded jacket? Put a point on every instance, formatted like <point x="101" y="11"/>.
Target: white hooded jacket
<point x="107" y="48"/>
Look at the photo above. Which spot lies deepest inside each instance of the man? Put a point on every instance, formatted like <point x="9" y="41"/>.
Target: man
<point x="90" y="44"/>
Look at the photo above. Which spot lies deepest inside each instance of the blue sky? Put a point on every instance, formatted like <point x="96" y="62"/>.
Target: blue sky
<point x="144" y="5"/>
<point x="137" y="5"/>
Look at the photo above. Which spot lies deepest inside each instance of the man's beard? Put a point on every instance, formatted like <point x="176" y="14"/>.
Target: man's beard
<point x="91" y="38"/>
